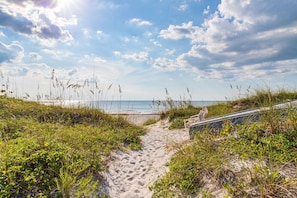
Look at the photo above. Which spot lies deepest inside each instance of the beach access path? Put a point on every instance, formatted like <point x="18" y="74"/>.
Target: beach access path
<point x="131" y="173"/>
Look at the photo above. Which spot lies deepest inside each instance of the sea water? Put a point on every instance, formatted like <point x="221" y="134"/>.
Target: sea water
<point x="141" y="106"/>
<point x="129" y="106"/>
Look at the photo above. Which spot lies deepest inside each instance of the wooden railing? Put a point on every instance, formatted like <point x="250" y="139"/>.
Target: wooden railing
<point x="242" y="117"/>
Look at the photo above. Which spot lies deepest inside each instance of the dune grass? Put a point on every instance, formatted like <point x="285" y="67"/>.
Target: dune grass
<point x="150" y="122"/>
<point x="251" y="160"/>
<point x="259" y="98"/>
<point x="49" y="151"/>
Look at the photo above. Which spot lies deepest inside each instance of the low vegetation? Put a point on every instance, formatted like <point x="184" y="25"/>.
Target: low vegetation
<point x="261" y="98"/>
<point x="50" y="151"/>
<point x="150" y="122"/>
<point x="250" y="160"/>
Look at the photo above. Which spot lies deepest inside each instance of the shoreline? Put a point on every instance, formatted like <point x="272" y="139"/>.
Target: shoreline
<point x="137" y="118"/>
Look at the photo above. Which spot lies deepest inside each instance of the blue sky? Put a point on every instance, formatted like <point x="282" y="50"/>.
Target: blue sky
<point x="142" y="47"/>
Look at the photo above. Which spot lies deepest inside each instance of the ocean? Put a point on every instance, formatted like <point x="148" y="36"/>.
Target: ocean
<point x="139" y="106"/>
<point x="128" y="106"/>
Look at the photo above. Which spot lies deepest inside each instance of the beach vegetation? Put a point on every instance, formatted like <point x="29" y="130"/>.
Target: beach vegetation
<point x="150" y="122"/>
<point x="54" y="151"/>
<point x="249" y="160"/>
<point x="257" y="99"/>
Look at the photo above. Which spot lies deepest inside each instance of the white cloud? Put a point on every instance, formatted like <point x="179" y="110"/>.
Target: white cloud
<point x="155" y="42"/>
<point x="186" y="30"/>
<point x="101" y="35"/>
<point x="53" y="53"/>
<point x="31" y="70"/>
<point x="36" y="19"/>
<point x="140" y="22"/>
<point x="56" y="54"/>
<point x="130" y="39"/>
<point x="170" y="52"/>
<point x="90" y="66"/>
<point x="107" y="5"/>
<point x="148" y="34"/>
<point x="13" y="52"/>
<point x="117" y="53"/>
<point x="87" y="33"/>
<point x="99" y="32"/>
<point x="126" y="39"/>
<point x="92" y="59"/>
<point x="35" y="56"/>
<point x="206" y="11"/>
<point x="165" y="64"/>
<point x="87" y="67"/>
<point x="251" y="36"/>
<point x="183" y="7"/>
<point x="138" y="57"/>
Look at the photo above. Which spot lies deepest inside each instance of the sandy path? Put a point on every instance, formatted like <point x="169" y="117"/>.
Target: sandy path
<point x="130" y="174"/>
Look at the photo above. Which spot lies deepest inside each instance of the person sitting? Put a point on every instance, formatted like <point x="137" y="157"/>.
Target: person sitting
<point x="197" y="118"/>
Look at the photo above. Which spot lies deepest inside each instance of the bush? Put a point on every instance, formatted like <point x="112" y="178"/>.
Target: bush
<point x="149" y="122"/>
<point x="29" y="168"/>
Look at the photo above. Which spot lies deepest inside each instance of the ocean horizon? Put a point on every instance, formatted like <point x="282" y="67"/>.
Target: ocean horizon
<point x="130" y="106"/>
<point x="141" y="106"/>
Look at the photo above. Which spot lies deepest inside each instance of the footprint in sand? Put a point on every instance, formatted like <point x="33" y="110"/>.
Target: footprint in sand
<point x="130" y="174"/>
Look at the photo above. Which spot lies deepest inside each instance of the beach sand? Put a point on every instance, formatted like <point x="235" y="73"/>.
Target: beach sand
<point x="131" y="173"/>
<point x="137" y="118"/>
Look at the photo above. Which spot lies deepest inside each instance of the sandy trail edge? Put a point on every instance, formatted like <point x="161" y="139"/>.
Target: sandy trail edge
<point x="130" y="174"/>
<point x="137" y="118"/>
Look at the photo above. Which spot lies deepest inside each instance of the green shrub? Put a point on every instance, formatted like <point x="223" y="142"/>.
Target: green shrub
<point x="177" y="123"/>
<point x="149" y="122"/>
<point x="27" y="167"/>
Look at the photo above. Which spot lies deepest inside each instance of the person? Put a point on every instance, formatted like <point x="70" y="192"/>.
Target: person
<point x="197" y="118"/>
<point x="203" y="113"/>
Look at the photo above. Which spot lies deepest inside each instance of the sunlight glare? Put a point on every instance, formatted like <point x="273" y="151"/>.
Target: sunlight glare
<point x="68" y="5"/>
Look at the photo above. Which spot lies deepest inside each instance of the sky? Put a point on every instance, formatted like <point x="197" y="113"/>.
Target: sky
<point x="145" y="50"/>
